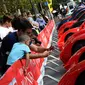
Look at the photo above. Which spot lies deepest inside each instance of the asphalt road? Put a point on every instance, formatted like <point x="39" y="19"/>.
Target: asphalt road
<point x="54" y="67"/>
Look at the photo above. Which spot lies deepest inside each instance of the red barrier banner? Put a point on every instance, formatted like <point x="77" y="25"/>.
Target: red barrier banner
<point x="15" y="74"/>
<point x="44" y="35"/>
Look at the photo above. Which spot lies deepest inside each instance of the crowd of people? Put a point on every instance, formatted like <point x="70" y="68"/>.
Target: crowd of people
<point x="18" y="37"/>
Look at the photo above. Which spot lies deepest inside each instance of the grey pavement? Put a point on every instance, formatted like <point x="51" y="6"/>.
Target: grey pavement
<point x="54" y="67"/>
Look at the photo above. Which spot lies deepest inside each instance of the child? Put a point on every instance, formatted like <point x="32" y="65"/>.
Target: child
<point x="19" y="50"/>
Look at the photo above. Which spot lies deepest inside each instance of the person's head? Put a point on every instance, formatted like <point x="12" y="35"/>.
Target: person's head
<point x="29" y="14"/>
<point x="45" y="18"/>
<point x="39" y="15"/>
<point x="6" y="21"/>
<point x="36" y="41"/>
<point x="24" y="38"/>
<point x="23" y="26"/>
<point x="24" y="15"/>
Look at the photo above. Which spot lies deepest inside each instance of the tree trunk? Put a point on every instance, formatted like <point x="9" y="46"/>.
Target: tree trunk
<point x="4" y="6"/>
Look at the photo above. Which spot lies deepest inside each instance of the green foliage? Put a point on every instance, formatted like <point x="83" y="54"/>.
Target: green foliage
<point x="13" y="5"/>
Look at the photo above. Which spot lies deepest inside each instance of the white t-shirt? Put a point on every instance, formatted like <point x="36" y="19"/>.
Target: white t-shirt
<point x="3" y="32"/>
<point x="11" y="29"/>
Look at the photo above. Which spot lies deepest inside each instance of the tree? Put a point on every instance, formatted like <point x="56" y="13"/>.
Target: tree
<point x="12" y="6"/>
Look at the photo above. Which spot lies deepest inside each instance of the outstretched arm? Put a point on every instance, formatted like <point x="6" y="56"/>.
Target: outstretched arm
<point x="39" y="55"/>
<point x="39" y="49"/>
<point x="34" y="56"/>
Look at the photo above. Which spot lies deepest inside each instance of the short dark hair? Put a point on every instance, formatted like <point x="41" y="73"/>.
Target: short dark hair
<point x="21" y="24"/>
<point x="28" y="13"/>
<point x="7" y="18"/>
<point x="23" y="37"/>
